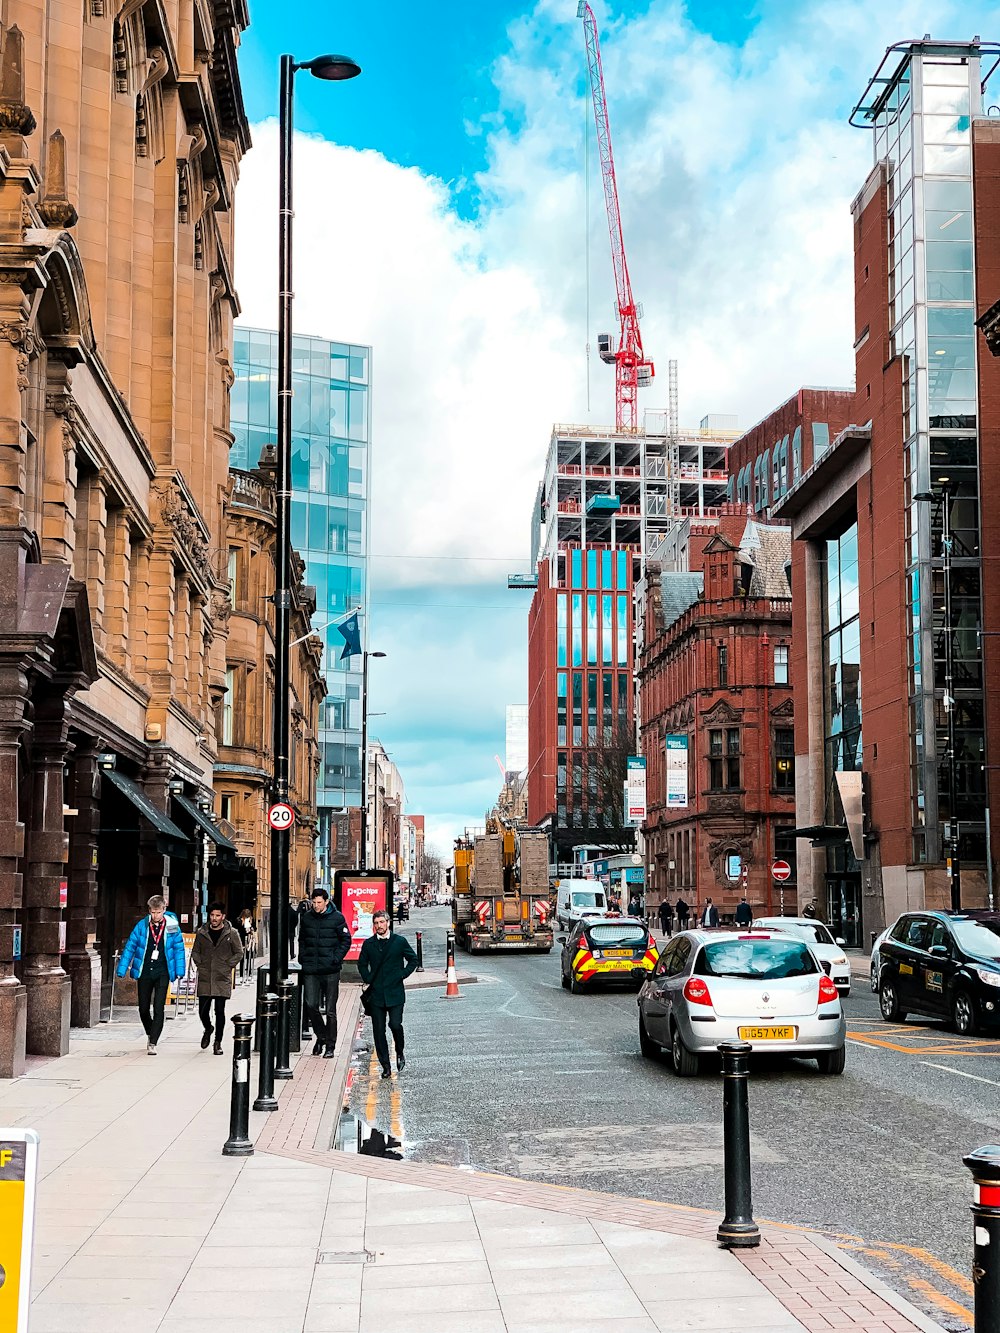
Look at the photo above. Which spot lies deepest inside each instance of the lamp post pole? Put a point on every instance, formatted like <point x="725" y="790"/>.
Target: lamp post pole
<point x="331" y="68"/>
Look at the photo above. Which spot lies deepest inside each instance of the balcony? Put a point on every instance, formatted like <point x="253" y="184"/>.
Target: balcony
<point x="250" y="492"/>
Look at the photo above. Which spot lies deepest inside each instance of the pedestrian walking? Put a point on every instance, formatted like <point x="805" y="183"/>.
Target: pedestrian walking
<point x="682" y="911"/>
<point x="709" y="914"/>
<point x="154" y="957"/>
<point x="666" y="917"/>
<point x="324" y="941"/>
<point x="744" y="913"/>
<point x="634" y="905"/>
<point x="217" y="949"/>
<point x="385" y="963"/>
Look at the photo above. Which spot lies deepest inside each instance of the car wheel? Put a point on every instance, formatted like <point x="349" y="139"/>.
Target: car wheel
<point x="832" y="1062"/>
<point x="685" y="1061"/>
<point x="963" y="1013"/>
<point x="565" y="980"/>
<point x="575" y="986"/>
<point x="888" y="1001"/>
<point x="874" y="978"/>
<point x="647" y="1045"/>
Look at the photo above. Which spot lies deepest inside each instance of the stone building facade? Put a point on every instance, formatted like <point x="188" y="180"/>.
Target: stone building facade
<point x="716" y="719"/>
<point x="121" y="131"/>
<point x="245" y="763"/>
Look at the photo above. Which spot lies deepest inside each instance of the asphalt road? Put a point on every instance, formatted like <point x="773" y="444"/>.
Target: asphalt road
<point x="521" y="1077"/>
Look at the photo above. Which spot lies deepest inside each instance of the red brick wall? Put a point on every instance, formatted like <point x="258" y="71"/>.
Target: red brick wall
<point x="833" y="406"/>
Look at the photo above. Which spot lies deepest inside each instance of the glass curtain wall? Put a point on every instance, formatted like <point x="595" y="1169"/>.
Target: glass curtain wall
<point x="329" y="515"/>
<point x="923" y="132"/>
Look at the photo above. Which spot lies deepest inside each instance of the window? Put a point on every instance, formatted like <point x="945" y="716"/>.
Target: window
<point x="233" y="573"/>
<point x="226" y="806"/>
<point x="784" y="759"/>
<point x="781" y="664"/>
<point x="228" y="706"/>
<point x="724" y="759"/>
<point x="723" y="665"/>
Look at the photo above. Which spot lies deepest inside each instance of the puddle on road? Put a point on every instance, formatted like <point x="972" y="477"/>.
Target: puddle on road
<point x="371" y="1122"/>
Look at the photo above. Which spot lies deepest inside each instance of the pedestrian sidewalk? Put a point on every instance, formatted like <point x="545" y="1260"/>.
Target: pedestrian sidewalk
<point x="145" y="1227"/>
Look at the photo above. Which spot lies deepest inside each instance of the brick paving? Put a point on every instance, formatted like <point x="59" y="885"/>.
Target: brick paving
<point x="814" y="1284"/>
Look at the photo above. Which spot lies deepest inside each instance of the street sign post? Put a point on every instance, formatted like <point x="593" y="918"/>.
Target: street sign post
<point x="281" y="816"/>
<point x="18" y="1173"/>
<point x="780" y="872"/>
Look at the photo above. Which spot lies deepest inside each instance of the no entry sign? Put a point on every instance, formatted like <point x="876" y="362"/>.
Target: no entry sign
<point x="781" y="871"/>
<point x="281" y="816"/>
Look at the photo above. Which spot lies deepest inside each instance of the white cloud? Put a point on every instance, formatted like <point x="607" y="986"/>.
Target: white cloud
<point x="736" y="169"/>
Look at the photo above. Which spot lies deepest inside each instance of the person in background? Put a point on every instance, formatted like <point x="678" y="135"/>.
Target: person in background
<point x="217" y="949"/>
<point x="666" y="917"/>
<point x="324" y="942"/>
<point x="744" y="913"/>
<point x="709" y="914"/>
<point x="385" y="963"/>
<point x="634" y="905"/>
<point x="154" y="957"/>
<point x="682" y="914"/>
<point x="247" y="928"/>
<point x="810" y="908"/>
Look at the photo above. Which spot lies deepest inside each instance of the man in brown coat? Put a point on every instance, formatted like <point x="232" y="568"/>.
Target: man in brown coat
<point x="216" y="951"/>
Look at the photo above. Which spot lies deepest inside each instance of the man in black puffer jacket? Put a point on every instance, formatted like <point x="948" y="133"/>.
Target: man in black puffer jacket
<point x="324" y="940"/>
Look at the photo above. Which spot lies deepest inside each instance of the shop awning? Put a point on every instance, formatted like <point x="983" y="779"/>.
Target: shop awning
<point x="822" y="835"/>
<point x="134" y="793"/>
<point x="204" y="823"/>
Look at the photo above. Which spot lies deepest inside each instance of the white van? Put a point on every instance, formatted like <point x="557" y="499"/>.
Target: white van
<point x="578" y="898"/>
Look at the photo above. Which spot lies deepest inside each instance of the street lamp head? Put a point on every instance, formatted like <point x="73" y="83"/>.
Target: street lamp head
<point x="376" y="654"/>
<point x="925" y="496"/>
<point x="335" y="69"/>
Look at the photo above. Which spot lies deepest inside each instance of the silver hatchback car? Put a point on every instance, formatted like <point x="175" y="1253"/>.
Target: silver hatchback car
<point x="766" y="989"/>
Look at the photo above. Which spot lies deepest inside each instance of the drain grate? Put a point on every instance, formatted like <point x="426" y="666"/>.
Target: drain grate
<point x="346" y="1257"/>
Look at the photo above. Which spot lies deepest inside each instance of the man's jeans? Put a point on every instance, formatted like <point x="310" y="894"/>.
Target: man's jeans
<point x="317" y="988"/>
<point x="394" y="1013"/>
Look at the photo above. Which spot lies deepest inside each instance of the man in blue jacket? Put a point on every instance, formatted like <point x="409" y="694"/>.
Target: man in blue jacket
<point x="153" y="958"/>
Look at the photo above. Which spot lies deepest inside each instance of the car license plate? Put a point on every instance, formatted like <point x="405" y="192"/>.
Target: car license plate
<point x="617" y="953"/>
<point x="768" y="1034"/>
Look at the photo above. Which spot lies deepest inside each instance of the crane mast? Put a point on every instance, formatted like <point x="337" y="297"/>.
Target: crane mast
<point x="632" y="369"/>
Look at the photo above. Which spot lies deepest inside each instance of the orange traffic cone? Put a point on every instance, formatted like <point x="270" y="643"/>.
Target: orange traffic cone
<point x="451" y="991"/>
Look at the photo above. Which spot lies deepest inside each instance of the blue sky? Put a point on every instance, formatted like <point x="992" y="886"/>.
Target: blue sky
<point x="442" y="217"/>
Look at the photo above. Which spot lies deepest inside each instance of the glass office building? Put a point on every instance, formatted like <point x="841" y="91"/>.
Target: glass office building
<point x="331" y="413"/>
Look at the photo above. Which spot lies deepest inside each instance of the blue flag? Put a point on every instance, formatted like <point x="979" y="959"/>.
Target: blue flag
<point x="352" y="636"/>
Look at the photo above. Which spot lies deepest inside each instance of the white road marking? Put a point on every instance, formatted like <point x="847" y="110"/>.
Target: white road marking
<point x="961" y="1073"/>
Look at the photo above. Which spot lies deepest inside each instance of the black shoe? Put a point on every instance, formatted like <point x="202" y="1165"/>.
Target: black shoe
<point x="329" y="1053"/>
<point x="400" y="1063"/>
<point x="387" y="1073"/>
<point x="206" y="1037"/>
<point x="217" y="1048"/>
<point x="318" y="1046"/>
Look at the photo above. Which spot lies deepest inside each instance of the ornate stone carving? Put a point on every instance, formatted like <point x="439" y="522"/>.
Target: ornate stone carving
<point x="785" y="709"/>
<point x="222" y="609"/>
<point x="175" y="514"/>
<point x="721" y="849"/>
<point x="55" y="208"/>
<point x="721" y="711"/>
<point x="724" y="805"/>
<point x="21" y="336"/>
<point x="60" y="401"/>
<point x="15" y="115"/>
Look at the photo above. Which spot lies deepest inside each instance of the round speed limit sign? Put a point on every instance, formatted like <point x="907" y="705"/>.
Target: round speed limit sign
<point x="281" y="816"/>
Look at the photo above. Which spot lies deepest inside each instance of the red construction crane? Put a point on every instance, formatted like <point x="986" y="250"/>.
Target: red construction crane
<point x="632" y="369"/>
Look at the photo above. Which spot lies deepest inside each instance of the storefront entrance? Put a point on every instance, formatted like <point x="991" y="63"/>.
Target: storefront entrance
<point x="843" y="906"/>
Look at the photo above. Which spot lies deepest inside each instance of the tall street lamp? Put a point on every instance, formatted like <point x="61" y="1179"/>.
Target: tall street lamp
<point x="331" y="68"/>
<point x="951" y="828"/>
<point x="363" y="850"/>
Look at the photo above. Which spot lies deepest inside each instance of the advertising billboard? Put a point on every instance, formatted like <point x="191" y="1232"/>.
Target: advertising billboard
<point x="635" y="790"/>
<point x="677" y="772"/>
<point x="360" y="894"/>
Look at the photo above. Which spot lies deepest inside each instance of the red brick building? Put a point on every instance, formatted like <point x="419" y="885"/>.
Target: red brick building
<point x="769" y="458"/>
<point x="894" y="580"/>
<point x="580" y="697"/>
<point x="716" y="717"/>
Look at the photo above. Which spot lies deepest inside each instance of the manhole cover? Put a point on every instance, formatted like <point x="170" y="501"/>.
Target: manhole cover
<point x="345" y="1257"/>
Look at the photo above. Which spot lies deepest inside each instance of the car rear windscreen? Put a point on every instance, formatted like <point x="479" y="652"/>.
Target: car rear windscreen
<point x="761" y="960"/>
<point x="608" y="936"/>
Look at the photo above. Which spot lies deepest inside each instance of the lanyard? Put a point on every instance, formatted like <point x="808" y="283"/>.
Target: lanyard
<point x="157" y="934"/>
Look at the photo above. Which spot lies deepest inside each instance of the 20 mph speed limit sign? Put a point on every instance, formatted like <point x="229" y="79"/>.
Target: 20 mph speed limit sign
<point x="281" y="816"/>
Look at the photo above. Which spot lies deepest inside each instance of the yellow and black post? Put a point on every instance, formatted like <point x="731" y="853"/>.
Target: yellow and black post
<point x="18" y="1174"/>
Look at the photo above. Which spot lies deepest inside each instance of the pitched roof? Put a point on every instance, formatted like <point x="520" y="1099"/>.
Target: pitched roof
<point x="767" y="550"/>
<point x="678" y="591"/>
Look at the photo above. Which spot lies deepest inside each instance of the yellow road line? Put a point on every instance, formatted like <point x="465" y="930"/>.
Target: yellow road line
<point x="939" y="1299"/>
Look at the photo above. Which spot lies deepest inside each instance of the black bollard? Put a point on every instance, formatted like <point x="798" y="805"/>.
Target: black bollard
<point x="262" y="989"/>
<point x="984" y="1164"/>
<point x="282" y="1069"/>
<point x="267" y="1013"/>
<point x="420" y="950"/>
<point x="295" y="1018"/>
<point x="738" y="1230"/>
<point x="238" y="1144"/>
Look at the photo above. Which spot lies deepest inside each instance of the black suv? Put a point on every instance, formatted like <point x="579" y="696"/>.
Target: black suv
<point x="944" y="964"/>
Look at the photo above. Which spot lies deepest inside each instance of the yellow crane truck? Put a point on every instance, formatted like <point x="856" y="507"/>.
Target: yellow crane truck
<point x="501" y="884"/>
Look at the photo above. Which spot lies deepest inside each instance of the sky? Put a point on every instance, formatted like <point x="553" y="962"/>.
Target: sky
<point x="443" y="215"/>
